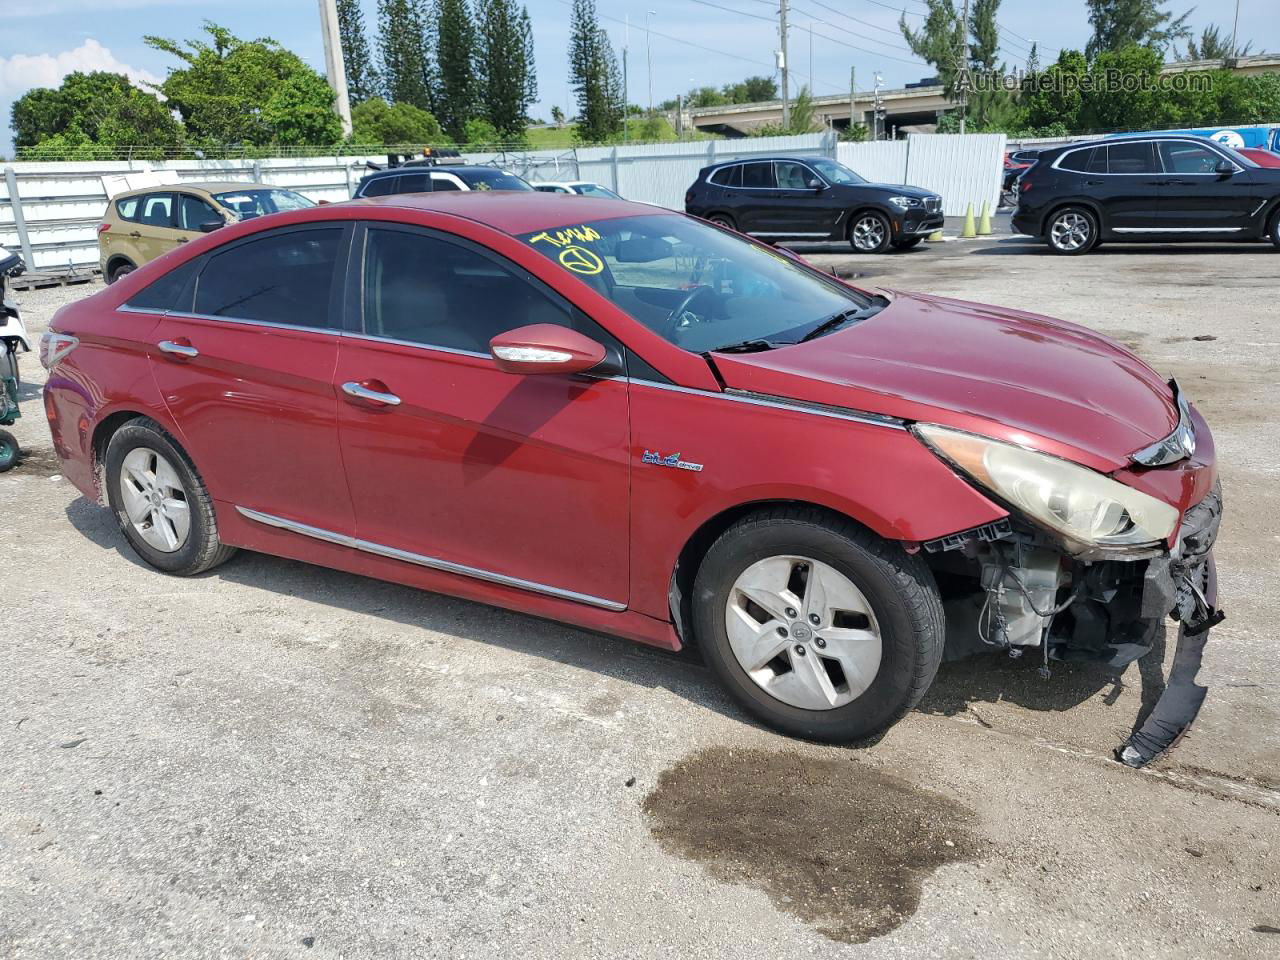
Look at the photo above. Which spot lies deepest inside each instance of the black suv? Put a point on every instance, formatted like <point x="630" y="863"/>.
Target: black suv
<point x="424" y="178"/>
<point x="1152" y="188"/>
<point x="813" y="198"/>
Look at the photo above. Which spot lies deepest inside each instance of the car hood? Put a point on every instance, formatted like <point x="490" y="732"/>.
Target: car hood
<point x="892" y="189"/>
<point x="1016" y="376"/>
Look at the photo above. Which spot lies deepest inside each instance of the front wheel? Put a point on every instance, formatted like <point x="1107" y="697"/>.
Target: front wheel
<point x="1273" y="234"/>
<point x="817" y="627"/>
<point x="1072" y="231"/>
<point x="160" y="502"/>
<point x="870" y="232"/>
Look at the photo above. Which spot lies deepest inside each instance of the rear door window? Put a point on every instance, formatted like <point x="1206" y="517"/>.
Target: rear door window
<point x="1131" y="158"/>
<point x="284" y="277"/>
<point x="414" y="183"/>
<point x="157" y="210"/>
<point x="758" y="175"/>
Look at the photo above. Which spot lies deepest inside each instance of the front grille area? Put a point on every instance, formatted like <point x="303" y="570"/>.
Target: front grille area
<point x="933" y="204"/>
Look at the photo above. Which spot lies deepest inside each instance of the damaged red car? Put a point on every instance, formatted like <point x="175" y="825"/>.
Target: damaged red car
<point x="632" y="421"/>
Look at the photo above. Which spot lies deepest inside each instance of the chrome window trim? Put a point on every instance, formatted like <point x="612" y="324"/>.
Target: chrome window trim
<point x="1209" y="145"/>
<point x="243" y="321"/>
<point x="421" y="560"/>
<point x="455" y="351"/>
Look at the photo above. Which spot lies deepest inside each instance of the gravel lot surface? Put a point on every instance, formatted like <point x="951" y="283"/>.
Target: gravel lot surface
<point x="276" y="760"/>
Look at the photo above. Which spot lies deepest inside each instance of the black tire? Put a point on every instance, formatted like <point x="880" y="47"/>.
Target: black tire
<point x="878" y="228"/>
<point x="722" y="220"/>
<point x="906" y="243"/>
<point x="202" y="549"/>
<point x="1064" y="218"/>
<point x="9" y="451"/>
<point x="118" y="271"/>
<point x="899" y="587"/>
<point x="1273" y="232"/>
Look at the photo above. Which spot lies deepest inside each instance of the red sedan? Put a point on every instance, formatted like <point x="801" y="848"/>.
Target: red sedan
<point x="1263" y="158"/>
<point x="627" y="419"/>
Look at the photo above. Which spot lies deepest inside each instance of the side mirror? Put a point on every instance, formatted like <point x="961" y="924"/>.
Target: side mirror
<point x="211" y="225"/>
<point x="813" y="183"/>
<point x="1225" y="168"/>
<point x="544" y="348"/>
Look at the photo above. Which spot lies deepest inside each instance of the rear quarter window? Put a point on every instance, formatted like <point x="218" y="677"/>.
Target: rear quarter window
<point x="727" y="176"/>
<point x="378" y="186"/>
<point x="171" y="293"/>
<point x="127" y="209"/>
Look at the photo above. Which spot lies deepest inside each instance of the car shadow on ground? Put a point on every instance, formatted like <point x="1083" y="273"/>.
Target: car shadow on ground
<point x="988" y="678"/>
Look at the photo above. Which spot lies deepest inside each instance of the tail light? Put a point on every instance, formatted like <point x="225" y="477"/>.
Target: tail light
<point x="55" y="346"/>
<point x="103" y="228"/>
<point x="688" y="197"/>
<point x="1024" y="185"/>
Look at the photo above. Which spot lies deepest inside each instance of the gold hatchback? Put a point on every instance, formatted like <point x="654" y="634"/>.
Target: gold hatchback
<point x="143" y="224"/>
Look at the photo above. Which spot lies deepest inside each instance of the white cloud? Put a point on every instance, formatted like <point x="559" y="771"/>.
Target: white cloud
<point x="22" y="72"/>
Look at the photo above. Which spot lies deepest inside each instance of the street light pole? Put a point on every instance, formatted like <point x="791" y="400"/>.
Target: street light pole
<point x="334" y="68"/>
<point x="782" y="63"/>
<point x="648" y="55"/>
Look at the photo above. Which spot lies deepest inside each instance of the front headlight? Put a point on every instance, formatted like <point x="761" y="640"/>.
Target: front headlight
<point x="1083" y="505"/>
<point x="905" y="202"/>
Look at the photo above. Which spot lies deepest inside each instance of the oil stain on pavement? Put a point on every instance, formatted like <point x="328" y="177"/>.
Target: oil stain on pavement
<point x="837" y="844"/>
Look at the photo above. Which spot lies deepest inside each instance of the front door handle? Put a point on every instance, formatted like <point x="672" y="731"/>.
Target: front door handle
<point x="135" y="234"/>
<point x="353" y="389"/>
<point x="185" y="350"/>
<point x="182" y="239"/>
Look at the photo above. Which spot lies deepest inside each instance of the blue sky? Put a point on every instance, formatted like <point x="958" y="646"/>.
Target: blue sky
<point x="42" y="40"/>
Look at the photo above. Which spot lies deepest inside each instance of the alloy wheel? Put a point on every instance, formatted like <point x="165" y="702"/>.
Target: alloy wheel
<point x="868" y="233"/>
<point x="1071" y="231"/>
<point x="154" y="499"/>
<point x="803" y="632"/>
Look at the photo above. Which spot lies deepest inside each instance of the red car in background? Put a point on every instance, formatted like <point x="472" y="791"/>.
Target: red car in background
<point x="633" y="421"/>
<point x="1263" y="158"/>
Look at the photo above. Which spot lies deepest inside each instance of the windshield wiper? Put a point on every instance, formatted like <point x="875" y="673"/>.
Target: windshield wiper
<point x="837" y="320"/>
<point x="748" y="346"/>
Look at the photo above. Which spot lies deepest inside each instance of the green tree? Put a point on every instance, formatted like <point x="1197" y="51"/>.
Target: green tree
<point x="557" y="116"/>
<point x="505" y="70"/>
<point x="98" y="108"/>
<point x="480" y="135"/>
<point x="1056" y="97"/>
<point x="362" y="76"/>
<point x="594" y="76"/>
<point x="751" y="90"/>
<point x="1121" y="23"/>
<point x="455" y="63"/>
<point x="378" y="122"/>
<point x="223" y="91"/>
<point x="301" y="111"/>
<point x="1213" y="46"/>
<point x="939" y="41"/>
<point x="403" y="53"/>
<point x="706" y="97"/>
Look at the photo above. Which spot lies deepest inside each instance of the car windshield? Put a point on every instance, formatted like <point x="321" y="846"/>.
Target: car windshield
<point x="488" y="178"/>
<point x="699" y="287"/>
<point x="258" y="202"/>
<point x="594" y="190"/>
<point x="834" y="172"/>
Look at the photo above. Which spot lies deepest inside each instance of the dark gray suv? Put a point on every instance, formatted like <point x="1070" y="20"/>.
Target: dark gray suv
<point x="813" y="198"/>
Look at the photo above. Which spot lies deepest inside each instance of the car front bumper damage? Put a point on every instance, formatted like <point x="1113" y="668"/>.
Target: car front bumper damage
<point x="1032" y="594"/>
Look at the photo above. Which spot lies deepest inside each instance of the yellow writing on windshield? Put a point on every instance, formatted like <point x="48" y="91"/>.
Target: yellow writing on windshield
<point x="567" y="236"/>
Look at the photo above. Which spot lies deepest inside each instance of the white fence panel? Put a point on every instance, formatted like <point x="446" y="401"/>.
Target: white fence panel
<point x="881" y="161"/>
<point x="964" y="169"/>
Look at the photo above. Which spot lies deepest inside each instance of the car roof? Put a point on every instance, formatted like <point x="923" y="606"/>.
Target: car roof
<point x="515" y="211"/>
<point x="1129" y="137"/>
<point x="781" y="156"/>
<point x="208" y="186"/>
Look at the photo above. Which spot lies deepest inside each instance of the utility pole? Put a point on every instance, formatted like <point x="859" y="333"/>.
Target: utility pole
<point x="852" y="112"/>
<point x="964" y="67"/>
<point x="626" y="97"/>
<point x="782" y="64"/>
<point x="333" y="65"/>
<point x="648" y="56"/>
<point x="1234" y="27"/>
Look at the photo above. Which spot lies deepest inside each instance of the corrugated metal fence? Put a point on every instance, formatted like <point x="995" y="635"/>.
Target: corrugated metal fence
<point x="55" y="222"/>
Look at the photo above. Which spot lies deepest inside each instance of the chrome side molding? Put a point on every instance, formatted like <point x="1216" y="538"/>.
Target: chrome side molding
<point x="433" y="563"/>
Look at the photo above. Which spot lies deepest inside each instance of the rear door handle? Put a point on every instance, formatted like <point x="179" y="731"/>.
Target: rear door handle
<point x="135" y="234"/>
<point x="182" y="239"/>
<point x="184" y="350"/>
<point x="353" y="389"/>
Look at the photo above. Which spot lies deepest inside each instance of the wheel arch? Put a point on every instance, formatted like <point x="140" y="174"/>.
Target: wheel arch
<point x="106" y="428"/>
<point x="689" y="559"/>
<point x="117" y="260"/>
<point x="864" y="207"/>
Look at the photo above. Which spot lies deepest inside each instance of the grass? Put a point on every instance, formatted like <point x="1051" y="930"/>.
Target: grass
<point x="552" y="138"/>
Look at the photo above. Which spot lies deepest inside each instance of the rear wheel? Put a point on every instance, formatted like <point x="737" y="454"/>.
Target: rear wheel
<point x="723" y="220"/>
<point x="1072" y="231"/>
<point x="870" y="232"/>
<point x="815" y="626"/>
<point x="119" y="270"/>
<point x="9" y="450"/>
<point x="160" y="502"/>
